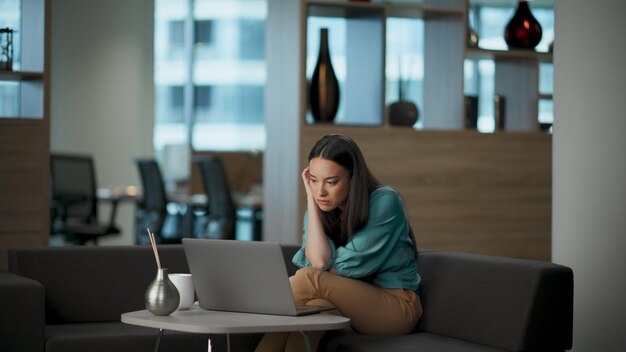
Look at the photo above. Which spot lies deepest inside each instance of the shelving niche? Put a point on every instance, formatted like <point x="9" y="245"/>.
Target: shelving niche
<point x="445" y="33"/>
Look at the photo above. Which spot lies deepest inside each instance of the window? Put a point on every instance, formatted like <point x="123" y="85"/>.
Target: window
<point x="209" y="76"/>
<point x="252" y="39"/>
<point x="203" y="34"/>
<point x="202" y="97"/>
<point x="176" y="34"/>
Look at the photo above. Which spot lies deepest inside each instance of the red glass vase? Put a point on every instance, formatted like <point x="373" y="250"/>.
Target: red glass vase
<point x="523" y="30"/>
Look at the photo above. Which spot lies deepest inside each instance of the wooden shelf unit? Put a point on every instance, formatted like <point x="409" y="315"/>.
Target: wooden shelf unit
<point x="464" y="190"/>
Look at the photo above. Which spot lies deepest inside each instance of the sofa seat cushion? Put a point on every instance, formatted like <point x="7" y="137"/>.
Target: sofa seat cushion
<point x="119" y="337"/>
<point x="416" y="342"/>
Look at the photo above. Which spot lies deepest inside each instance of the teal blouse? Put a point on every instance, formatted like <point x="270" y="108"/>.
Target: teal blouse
<point x="382" y="251"/>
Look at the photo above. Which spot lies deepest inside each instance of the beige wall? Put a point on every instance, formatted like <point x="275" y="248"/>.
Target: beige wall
<point x="101" y="94"/>
<point x="589" y="227"/>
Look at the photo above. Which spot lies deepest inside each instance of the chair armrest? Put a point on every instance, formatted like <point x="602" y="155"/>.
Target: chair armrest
<point x="22" y="319"/>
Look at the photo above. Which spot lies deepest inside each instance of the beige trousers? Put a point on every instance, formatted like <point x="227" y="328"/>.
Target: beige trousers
<point x="372" y="310"/>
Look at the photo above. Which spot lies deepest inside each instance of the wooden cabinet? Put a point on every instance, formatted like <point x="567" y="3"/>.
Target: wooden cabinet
<point x="466" y="191"/>
<point x="24" y="137"/>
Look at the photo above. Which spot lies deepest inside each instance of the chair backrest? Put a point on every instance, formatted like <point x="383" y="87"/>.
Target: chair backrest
<point x="154" y="196"/>
<point x="73" y="185"/>
<point x="221" y="209"/>
<point x="216" y="187"/>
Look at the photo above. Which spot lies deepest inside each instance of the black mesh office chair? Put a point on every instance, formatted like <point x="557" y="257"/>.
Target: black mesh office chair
<point x="221" y="215"/>
<point x="74" y="203"/>
<point x="151" y="212"/>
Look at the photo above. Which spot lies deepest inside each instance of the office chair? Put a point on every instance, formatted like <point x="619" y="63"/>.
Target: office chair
<point x="74" y="203"/>
<point x="152" y="212"/>
<point x="221" y="214"/>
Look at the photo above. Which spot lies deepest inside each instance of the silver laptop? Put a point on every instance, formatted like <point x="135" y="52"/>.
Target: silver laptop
<point x="242" y="276"/>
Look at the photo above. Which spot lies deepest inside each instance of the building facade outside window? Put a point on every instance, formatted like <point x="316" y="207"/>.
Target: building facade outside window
<point x="209" y="79"/>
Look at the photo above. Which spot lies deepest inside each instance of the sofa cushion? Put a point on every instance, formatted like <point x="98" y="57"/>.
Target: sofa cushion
<point x="416" y="342"/>
<point x="94" y="283"/>
<point x="505" y="303"/>
<point x="119" y="337"/>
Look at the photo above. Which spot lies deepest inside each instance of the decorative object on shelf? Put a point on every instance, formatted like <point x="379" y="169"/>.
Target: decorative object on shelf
<point x="471" y="112"/>
<point x="545" y="127"/>
<point x="6" y="49"/>
<point x="162" y="296"/>
<point x="402" y="112"/>
<point x="472" y="38"/>
<point x="499" y="111"/>
<point x="324" y="91"/>
<point x="523" y="30"/>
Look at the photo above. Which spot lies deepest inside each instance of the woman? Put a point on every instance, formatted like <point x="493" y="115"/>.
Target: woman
<point x="358" y="252"/>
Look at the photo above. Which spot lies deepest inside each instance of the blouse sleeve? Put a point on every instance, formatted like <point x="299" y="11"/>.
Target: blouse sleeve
<point x="371" y="246"/>
<point x="300" y="259"/>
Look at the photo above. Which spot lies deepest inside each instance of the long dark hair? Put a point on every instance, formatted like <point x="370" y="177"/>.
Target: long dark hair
<point x="341" y="224"/>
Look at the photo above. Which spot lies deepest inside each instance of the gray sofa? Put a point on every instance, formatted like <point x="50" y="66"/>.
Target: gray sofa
<point x="71" y="298"/>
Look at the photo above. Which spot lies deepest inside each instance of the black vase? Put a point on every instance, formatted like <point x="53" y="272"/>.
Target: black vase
<point x="403" y="113"/>
<point x="324" y="90"/>
<point x="523" y="30"/>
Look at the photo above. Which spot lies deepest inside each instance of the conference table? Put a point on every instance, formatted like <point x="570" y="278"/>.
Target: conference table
<point x="118" y="194"/>
<point x="198" y="320"/>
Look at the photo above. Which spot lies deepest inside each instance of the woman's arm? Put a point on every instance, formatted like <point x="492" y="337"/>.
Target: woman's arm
<point x="370" y="248"/>
<point x="317" y="249"/>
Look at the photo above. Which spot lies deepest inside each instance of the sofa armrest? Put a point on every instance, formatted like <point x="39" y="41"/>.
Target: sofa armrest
<point x="21" y="314"/>
<point x="507" y="303"/>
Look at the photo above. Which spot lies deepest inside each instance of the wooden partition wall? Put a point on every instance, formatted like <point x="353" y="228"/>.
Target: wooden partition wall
<point x="24" y="182"/>
<point x="243" y="169"/>
<point x="463" y="190"/>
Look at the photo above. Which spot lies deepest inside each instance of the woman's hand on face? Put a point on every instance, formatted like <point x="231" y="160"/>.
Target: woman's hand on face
<point x="306" y="180"/>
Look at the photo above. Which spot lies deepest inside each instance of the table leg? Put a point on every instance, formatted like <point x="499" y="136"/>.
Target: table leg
<point x="228" y="342"/>
<point x="156" y="348"/>
<point x="307" y="343"/>
<point x="257" y="224"/>
<point x="114" y="204"/>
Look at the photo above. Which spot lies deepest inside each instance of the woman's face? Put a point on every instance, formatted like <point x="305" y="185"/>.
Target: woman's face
<point x="330" y="183"/>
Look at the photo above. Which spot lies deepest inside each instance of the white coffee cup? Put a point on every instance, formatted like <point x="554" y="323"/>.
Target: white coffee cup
<point x="184" y="284"/>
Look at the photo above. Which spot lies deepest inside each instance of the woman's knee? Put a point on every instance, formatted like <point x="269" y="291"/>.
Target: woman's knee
<point x="304" y="275"/>
<point x="306" y="271"/>
<point x="304" y="284"/>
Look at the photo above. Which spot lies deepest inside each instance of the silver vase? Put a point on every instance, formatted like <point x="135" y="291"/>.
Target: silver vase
<point x="162" y="296"/>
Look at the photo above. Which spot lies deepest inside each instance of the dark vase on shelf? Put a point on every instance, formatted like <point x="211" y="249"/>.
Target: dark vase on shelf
<point x="324" y="89"/>
<point x="402" y="112"/>
<point x="523" y="30"/>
